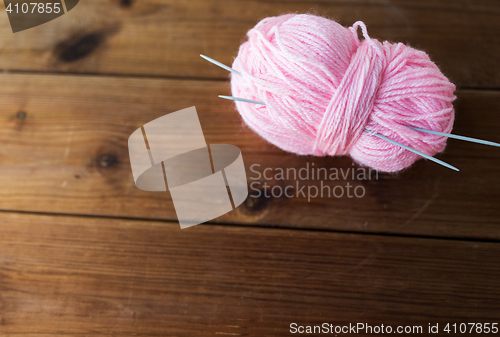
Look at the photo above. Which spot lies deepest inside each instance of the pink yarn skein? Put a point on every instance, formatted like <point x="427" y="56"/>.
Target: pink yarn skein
<point x="323" y="87"/>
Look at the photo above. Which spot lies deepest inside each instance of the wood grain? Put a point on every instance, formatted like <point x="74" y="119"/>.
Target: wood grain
<point x="164" y="38"/>
<point x="73" y="276"/>
<point x="64" y="150"/>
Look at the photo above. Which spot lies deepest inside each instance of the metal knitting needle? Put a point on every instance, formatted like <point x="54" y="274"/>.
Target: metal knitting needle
<point x="217" y="63"/>
<point x="449" y="135"/>
<point x="241" y="99"/>
<point x="415" y="151"/>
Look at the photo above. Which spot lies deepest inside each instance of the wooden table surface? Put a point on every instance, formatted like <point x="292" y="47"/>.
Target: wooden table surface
<point x="83" y="251"/>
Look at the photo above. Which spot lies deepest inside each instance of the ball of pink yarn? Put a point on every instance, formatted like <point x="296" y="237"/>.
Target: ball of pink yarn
<point x="323" y="89"/>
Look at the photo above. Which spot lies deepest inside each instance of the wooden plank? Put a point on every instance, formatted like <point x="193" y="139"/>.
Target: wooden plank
<point x="73" y="276"/>
<point x="164" y="38"/>
<point x="64" y="150"/>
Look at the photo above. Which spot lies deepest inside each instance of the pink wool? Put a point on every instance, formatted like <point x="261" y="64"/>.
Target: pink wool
<point x="323" y="87"/>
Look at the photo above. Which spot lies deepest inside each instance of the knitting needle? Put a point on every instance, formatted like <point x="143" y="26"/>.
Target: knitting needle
<point x="375" y="134"/>
<point x="217" y="63"/>
<point x="232" y="98"/>
<point x="449" y="135"/>
<point x="414" y="151"/>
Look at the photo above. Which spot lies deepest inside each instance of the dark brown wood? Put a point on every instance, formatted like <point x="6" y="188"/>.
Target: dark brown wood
<point x="64" y="150"/>
<point x="73" y="276"/>
<point x="83" y="251"/>
<point x="164" y="38"/>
